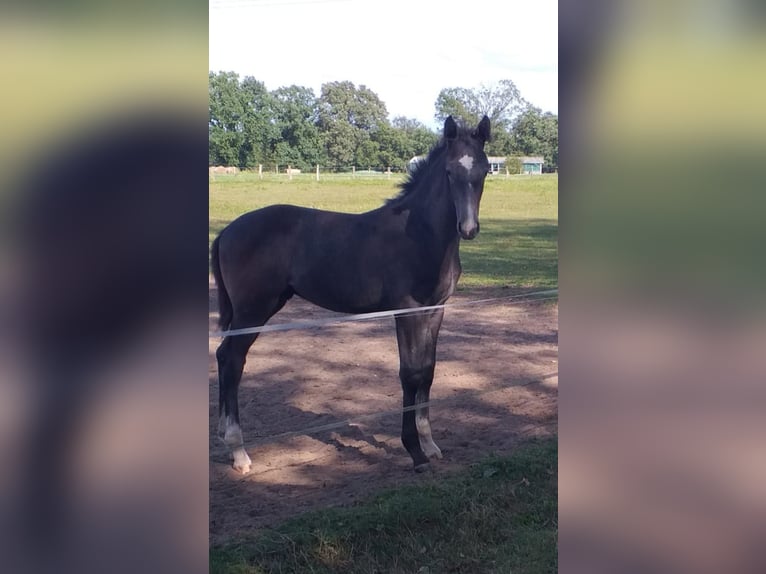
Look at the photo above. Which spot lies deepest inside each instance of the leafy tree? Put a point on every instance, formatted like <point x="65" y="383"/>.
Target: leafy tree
<point x="389" y="143"/>
<point x="260" y="134"/>
<point x="370" y="111"/>
<point x="347" y="117"/>
<point x="295" y="118"/>
<point x="348" y="125"/>
<point x="240" y="127"/>
<point x="340" y="141"/>
<point x="460" y="103"/>
<point x="226" y="118"/>
<point x="417" y="138"/>
<point x="501" y="102"/>
<point x="501" y="143"/>
<point x="393" y="147"/>
<point x="513" y="164"/>
<point x="367" y="152"/>
<point x="537" y="133"/>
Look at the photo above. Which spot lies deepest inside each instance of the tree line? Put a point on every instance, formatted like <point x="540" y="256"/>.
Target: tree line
<point x="348" y="125"/>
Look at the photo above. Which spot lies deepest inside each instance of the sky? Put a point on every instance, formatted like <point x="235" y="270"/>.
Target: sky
<point x="405" y="51"/>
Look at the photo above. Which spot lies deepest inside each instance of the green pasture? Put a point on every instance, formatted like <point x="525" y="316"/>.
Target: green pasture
<point x="517" y="246"/>
<point x="498" y="516"/>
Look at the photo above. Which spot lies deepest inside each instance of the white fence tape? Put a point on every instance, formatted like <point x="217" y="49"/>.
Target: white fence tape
<point x="535" y="296"/>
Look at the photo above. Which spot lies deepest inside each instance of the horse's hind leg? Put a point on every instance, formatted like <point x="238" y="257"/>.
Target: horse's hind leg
<point x="231" y="356"/>
<point x="417" y="336"/>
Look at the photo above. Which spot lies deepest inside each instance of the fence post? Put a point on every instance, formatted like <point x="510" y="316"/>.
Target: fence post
<point x="260" y="171"/>
<point x="388" y="172"/>
<point x="289" y="173"/>
<point x="317" y="172"/>
<point x="353" y="171"/>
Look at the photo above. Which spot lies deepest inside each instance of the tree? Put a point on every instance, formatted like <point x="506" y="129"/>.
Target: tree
<point x="460" y="103"/>
<point x="226" y="115"/>
<point x="348" y="125"/>
<point x="501" y="144"/>
<point x="501" y="102"/>
<point x="513" y="164"/>
<point x="348" y="116"/>
<point x="391" y="146"/>
<point x="537" y="133"/>
<point x="260" y="134"/>
<point x="240" y="127"/>
<point x="295" y="118"/>
<point x="418" y="139"/>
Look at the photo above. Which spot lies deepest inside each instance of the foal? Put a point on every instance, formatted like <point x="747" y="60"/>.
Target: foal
<point x="404" y="254"/>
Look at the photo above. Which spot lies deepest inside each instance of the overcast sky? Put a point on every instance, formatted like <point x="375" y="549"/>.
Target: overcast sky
<point x="405" y="51"/>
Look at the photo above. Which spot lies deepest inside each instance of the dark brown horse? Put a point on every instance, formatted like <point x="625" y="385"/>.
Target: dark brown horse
<point x="401" y="255"/>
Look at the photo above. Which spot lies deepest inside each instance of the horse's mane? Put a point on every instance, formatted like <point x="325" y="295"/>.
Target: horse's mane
<point x="423" y="168"/>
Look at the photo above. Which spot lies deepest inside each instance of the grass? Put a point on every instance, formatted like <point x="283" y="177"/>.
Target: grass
<point x="498" y="516"/>
<point x="517" y="246"/>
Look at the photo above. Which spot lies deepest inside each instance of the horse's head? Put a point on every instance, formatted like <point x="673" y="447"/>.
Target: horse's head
<point x="467" y="167"/>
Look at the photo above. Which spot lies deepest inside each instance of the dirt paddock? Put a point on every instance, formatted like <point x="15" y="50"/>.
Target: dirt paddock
<point x="299" y="379"/>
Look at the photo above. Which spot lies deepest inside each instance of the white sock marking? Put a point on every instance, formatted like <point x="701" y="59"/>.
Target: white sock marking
<point x="233" y="439"/>
<point x="424" y="434"/>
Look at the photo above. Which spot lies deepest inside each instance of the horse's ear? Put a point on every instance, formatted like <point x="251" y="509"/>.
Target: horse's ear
<point x="482" y="132"/>
<point x="450" y="129"/>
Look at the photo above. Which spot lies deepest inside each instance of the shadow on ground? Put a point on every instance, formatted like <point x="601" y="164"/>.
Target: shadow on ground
<point x="296" y="380"/>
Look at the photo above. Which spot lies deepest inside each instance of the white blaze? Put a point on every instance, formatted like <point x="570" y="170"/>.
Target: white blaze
<point x="467" y="162"/>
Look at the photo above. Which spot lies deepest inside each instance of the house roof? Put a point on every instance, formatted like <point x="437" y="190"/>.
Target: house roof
<point x="524" y="159"/>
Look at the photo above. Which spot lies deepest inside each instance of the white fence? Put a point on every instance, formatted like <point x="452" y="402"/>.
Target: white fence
<point x="289" y="172"/>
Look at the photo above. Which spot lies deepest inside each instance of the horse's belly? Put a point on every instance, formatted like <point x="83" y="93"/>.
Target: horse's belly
<point x="341" y="291"/>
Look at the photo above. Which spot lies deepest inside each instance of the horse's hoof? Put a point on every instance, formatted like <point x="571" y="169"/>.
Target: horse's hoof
<point x="241" y="462"/>
<point x="433" y="451"/>
<point x="422" y="467"/>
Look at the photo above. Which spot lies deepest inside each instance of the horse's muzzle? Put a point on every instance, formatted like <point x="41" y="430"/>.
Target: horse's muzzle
<point x="468" y="231"/>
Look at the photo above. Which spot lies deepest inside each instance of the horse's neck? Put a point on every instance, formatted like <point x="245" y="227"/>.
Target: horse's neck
<point x="436" y="214"/>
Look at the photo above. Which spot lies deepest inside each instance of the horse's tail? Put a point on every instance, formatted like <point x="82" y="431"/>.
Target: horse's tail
<point x="225" y="310"/>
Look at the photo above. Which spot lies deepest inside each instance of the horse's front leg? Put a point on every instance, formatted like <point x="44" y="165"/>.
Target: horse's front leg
<point x="417" y="336"/>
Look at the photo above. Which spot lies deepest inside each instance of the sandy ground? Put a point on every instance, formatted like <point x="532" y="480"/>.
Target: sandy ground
<point x="295" y="380"/>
